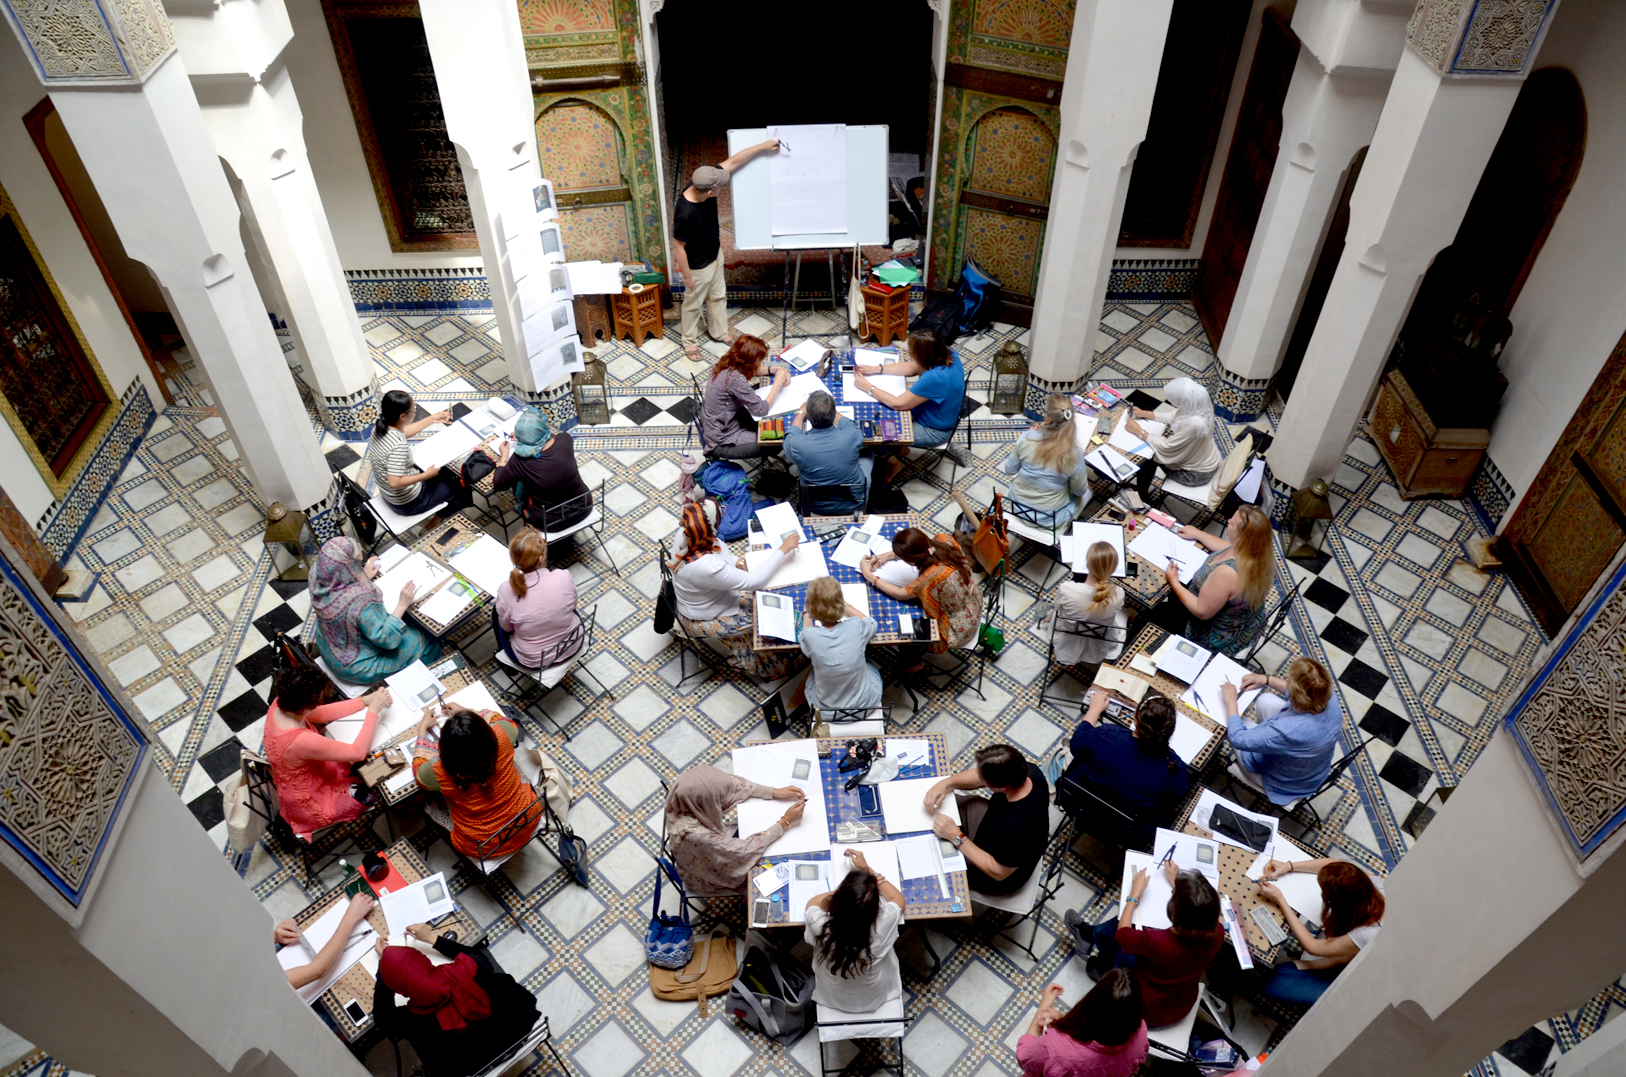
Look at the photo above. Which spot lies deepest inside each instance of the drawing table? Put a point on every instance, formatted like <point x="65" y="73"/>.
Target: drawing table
<point x="922" y="898"/>
<point x="884" y="609"/>
<point x="358" y="982"/>
<point x="1149" y="640"/>
<point x="861" y="411"/>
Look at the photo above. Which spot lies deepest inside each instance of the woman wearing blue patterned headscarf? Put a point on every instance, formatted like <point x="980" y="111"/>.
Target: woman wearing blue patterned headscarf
<point x="541" y="468"/>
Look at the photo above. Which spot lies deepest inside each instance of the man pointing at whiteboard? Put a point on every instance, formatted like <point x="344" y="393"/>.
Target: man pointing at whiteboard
<point x="698" y="242"/>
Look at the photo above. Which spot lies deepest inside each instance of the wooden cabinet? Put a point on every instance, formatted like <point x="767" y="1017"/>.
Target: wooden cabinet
<point x="1426" y="459"/>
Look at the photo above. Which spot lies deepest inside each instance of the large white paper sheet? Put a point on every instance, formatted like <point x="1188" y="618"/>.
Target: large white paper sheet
<point x="807" y="179"/>
<point x="1108" y="462"/>
<point x="805" y="563"/>
<point x="415" y="686"/>
<point x="1124" y="441"/>
<point x="1086" y="535"/>
<point x="903" y="807"/>
<point x="594" y="277"/>
<point x="882" y="857"/>
<point x="918" y="858"/>
<point x="755" y="816"/>
<point x="1152" y="910"/>
<point x="908" y="751"/>
<point x="1190" y="851"/>
<point x="476" y="697"/>
<point x="777" y="767"/>
<point x="857" y="596"/>
<point x="804" y="355"/>
<point x="1204" y="693"/>
<point x="853" y="548"/>
<point x="1203" y="813"/>
<point x="887" y="383"/>
<point x="484" y="562"/>
<point x="557" y="362"/>
<point x="545" y="328"/>
<point x="1181" y="659"/>
<point x="1157" y="545"/>
<point x="317" y="935"/>
<point x="776" y="617"/>
<point x="1299" y="887"/>
<point x="444" y="446"/>
<point x="779" y="520"/>
<point x="1189" y="738"/>
<point x="872" y="357"/>
<point x="794" y="395"/>
<point x="417" y="903"/>
<point x="898" y="572"/>
<point x="415" y="567"/>
<point x="447" y="604"/>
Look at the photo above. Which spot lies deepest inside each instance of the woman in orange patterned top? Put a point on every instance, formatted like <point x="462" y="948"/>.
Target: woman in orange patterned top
<point x="472" y="766"/>
<point x="943" y="586"/>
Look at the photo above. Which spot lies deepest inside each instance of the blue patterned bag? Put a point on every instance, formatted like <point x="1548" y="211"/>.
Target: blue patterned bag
<point x="669" y="940"/>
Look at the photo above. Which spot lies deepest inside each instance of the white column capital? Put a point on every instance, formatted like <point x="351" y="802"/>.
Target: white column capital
<point x="92" y="42"/>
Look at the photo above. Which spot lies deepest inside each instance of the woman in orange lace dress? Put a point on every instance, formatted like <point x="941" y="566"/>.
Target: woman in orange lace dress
<point x="471" y="764"/>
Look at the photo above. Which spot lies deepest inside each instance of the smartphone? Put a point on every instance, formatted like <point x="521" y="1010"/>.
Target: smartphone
<point x="1132" y="570"/>
<point x="868" y="427"/>
<point x="869" y="800"/>
<point x="1103" y="423"/>
<point x="759" y="914"/>
<point x="448" y="535"/>
<point x="355" y="1012"/>
<point x="906" y="625"/>
<point x="923" y="628"/>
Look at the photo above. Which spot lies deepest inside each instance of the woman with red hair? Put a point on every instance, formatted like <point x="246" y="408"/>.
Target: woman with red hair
<point x="714" y="592"/>
<point x="730" y="407"/>
<point x="1351" y="914"/>
<point x="458" y="1016"/>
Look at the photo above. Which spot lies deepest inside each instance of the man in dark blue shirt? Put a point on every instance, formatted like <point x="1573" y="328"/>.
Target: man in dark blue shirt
<point x="825" y="449"/>
<point x="1137" y="772"/>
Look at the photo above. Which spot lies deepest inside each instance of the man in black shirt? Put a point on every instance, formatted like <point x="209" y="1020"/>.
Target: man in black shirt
<point x="697" y="242"/>
<point x="1002" y="848"/>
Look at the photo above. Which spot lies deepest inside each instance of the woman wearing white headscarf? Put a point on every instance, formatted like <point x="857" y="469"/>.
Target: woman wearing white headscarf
<point x="1186" y="449"/>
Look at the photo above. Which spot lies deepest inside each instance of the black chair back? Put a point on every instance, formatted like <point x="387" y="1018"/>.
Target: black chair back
<point x="262" y="789"/>
<point x="1340" y="765"/>
<point x="808" y="497"/>
<point x="1102" y="819"/>
<point x="528" y="816"/>
<point x="556" y="518"/>
<point x="1274" y="622"/>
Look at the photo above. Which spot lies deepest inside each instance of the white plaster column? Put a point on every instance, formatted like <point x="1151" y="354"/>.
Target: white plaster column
<point x="1348" y="52"/>
<point x="1430" y="148"/>
<point x="485" y="93"/>
<point x="156" y="169"/>
<point x="1106" y="101"/>
<point x="234" y="55"/>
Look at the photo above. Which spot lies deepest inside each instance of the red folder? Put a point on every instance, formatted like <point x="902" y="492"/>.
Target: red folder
<point x="389" y="884"/>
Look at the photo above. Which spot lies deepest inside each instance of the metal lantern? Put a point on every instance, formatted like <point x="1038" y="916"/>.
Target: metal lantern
<point x="592" y="402"/>
<point x="1314" y="516"/>
<point x="289" y="531"/>
<point x="1010" y="380"/>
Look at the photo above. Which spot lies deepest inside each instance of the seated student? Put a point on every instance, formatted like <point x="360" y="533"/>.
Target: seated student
<point x="1004" y="837"/>
<point x="714" y="592"/>
<point x="1289" y="753"/>
<point x="1137" y="772"/>
<point x="541" y="467"/>
<point x="471" y="764"/>
<point x="709" y="857"/>
<point x="458" y="1017"/>
<point x="1167" y="963"/>
<point x="1051" y="483"/>
<point x="1096" y="601"/>
<point x="1186" y="449"/>
<point x="287" y="934"/>
<point x="1351" y="914"/>
<point x="933" y="400"/>
<point x="730" y="407"/>
<point x="825" y="449"/>
<point x="841" y="678"/>
<point x="853" y="930"/>
<point x="408" y="490"/>
<point x="311" y="772"/>
<point x="536" y="605"/>
<point x="1223" y="607"/>
<point x="360" y="640"/>
<point x="1102" y="1036"/>
<point x="942" y="586"/>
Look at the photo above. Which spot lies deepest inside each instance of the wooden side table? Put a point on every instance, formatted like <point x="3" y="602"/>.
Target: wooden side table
<point x="637" y="314"/>
<point x="886" y="314"/>
<point x="592" y="319"/>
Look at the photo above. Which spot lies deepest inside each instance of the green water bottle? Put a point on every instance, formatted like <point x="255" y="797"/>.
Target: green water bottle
<point x="352" y="880"/>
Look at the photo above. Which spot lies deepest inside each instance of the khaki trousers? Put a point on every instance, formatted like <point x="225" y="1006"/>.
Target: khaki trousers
<point x="710" y="292"/>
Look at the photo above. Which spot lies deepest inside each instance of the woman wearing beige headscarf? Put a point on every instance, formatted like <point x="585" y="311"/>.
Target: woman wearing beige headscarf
<point x="709" y="857"/>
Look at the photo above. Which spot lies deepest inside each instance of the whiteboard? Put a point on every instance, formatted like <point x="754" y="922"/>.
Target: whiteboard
<point x="866" y="195"/>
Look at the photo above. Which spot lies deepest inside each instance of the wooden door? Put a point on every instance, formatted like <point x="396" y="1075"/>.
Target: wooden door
<point x="1573" y="518"/>
<point x="1005" y="199"/>
<point x="1247" y="173"/>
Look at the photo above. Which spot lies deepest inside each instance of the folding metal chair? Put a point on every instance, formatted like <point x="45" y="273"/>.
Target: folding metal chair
<point x="1083" y="630"/>
<point x="854" y="495"/>
<point x="700" y="905"/>
<point x="1273" y="624"/>
<point x="555" y="527"/>
<point x="1101" y="819"/>
<point x="886" y="1024"/>
<point x="396" y="523"/>
<point x="1235" y="775"/>
<point x="262" y="791"/>
<point x="1022" y="521"/>
<point x="1028" y="902"/>
<point x="558" y="662"/>
<point x="925" y="464"/>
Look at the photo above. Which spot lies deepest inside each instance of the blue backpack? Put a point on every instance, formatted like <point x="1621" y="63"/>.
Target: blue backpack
<point x="726" y="482"/>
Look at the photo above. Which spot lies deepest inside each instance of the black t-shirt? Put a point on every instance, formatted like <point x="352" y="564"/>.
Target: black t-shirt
<point x="695" y="225"/>
<point x="1014" y="834"/>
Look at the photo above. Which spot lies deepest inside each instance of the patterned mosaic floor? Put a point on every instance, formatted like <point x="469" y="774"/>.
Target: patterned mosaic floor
<point x="1425" y="649"/>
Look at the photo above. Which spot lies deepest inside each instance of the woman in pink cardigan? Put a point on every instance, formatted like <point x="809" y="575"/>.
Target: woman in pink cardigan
<point x="312" y="772"/>
<point x="1102" y="1036"/>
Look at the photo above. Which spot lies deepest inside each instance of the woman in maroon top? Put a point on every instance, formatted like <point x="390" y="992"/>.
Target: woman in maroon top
<point x="1166" y="963"/>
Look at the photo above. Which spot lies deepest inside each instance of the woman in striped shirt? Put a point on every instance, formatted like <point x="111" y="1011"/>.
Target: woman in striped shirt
<point x="408" y="489"/>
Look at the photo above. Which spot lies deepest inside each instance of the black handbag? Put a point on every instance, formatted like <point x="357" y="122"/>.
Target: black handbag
<point x="665" y="607"/>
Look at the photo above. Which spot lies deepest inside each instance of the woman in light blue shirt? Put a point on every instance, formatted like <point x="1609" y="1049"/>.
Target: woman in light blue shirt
<point x="1052" y="482"/>
<point x="842" y="679"/>
<point x="1289" y="752"/>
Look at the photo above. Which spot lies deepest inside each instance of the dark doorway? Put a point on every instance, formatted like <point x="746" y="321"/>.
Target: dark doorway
<point x="1193" y="83"/>
<point x="1248" y="168"/>
<point x="1315" y="295"/>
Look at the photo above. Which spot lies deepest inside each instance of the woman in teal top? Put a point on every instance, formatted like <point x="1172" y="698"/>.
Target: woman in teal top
<point x="935" y="398"/>
<point x="360" y="640"/>
<point x="1225" y="601"/>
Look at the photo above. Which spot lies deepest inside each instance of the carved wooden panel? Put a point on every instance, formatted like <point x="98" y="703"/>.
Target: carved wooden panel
<point x="68" y="755"/>
<point x="1571" y="723"/>
<point x="44" y="373"/>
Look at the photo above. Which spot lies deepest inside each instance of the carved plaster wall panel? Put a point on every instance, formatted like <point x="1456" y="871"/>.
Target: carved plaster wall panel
<point x="1570" y="721"/>
<point x="91" y="42"/>
<point x="69" y="755"/>
<point x="1479" y="37"/>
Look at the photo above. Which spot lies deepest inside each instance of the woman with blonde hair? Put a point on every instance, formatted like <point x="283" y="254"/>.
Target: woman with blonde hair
<point x="834" y="636"/>
<point x="1225" y="601"/>
<point x="536" y="605"/>
<point x="1096" y="601"/>
<point x="1052" y="483"/>
<point x="730" y="407"/>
